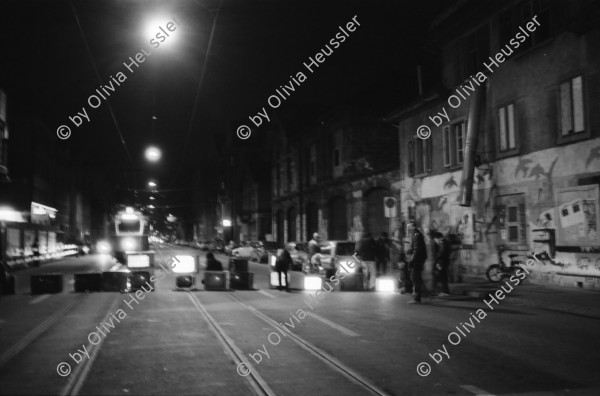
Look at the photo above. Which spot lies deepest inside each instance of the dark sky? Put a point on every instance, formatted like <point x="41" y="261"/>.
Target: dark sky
<point x="57" y="53"/>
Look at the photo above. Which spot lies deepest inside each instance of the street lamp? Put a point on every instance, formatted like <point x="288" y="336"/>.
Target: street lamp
<point x="153" y="154"/>
<point x="152" y="183"/>
<point x="226" y="223"/>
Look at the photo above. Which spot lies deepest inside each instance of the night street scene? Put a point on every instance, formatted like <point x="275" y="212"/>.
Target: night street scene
<point x="261" y="197"/>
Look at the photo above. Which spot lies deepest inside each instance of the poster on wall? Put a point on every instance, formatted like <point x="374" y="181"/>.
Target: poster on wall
<point x="466" y="229"/>
<point x="578" y="213"/>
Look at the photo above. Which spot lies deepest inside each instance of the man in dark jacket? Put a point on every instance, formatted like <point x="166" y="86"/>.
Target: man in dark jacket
<point x="212" y="264"/>
<point x="441" y="254"/>
<point x="418" y="255"/>
<point x="282" y="266"/>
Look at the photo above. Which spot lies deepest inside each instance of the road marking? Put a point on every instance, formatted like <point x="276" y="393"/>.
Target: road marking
<point x="39" y="298"/>
<point x="319" y="353"/>
<point x="334" y="325"/>
<point x="476" y="391"/>
<point x="256" y="382"/>
<point x="78" y="376"/>
<point x="266" y="293"/>
<point x="33" y="334"/>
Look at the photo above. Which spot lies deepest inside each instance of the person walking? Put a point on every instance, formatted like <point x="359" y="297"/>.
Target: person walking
<point x="382" y="254"/>
<point x="366" y="252"/>
<point x="416" y="263"/>
<point x="282" y="266"/>
<point x="441" y="254"/>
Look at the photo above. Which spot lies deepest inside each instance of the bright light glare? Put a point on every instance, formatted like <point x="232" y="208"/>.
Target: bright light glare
<point x="138" y="261"/>
<point x="348" y="267"/>
<point x="167" y="36"/>
<point x="183" y="264"/>
<point x="153" y="154"/>
<point x="8" y="214"/>
<point x="275" y="279"/>
<point x="128" y="216"/>
<point x="128" y="244"/>
<point x="103" y="247"/>
<point x="152" y="198"/>
<point x="386" y="285"/>
<point x="152" y="183"/>
<point x="313" y="283"/>
<point x="226" y="223"/>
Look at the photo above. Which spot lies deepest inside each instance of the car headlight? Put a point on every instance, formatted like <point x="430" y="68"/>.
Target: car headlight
<point x="104" y="247"/>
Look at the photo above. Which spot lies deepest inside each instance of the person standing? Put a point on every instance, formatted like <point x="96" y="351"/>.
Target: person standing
<point x="441" y="254"/>
<point x="282" y="266"/>
<point x="314" y="247"/>
<point x="212" y="264"/>
<point x="416" y="263"/>
<point x="366" y="252"/>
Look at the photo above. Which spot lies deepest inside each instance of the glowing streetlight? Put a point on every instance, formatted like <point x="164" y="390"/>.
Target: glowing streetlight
<point x="152" y="198"/>
<point x="226" y="223"/>
<point x="153" y="154"/>
<point x="152" y="183"/>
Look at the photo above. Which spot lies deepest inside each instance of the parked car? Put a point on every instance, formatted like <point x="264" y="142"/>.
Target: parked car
<point x="246" y="250"/>
<point x="203" y="245"/>
<point x="299" y="255"/>
<point x="337" y="256"/>
<point x="264" y="247"/>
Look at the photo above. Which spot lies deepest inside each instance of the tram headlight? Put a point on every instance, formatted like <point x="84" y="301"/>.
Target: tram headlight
<point x="128" y="244"/>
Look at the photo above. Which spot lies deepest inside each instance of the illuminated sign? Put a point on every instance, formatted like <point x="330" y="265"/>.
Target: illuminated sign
<point x="41" y="214"/>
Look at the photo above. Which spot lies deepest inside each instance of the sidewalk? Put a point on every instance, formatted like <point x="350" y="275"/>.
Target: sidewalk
<point x="571" y="301"/>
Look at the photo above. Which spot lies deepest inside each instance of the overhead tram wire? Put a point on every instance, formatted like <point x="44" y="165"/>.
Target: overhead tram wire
<point x="197" y="97"/>
<point x="100" y="82"/>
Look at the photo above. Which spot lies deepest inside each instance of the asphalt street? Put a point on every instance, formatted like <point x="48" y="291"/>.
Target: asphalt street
<point x="265" y="341"/>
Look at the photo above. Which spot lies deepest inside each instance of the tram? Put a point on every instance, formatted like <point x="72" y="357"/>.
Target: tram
<point x="129" y="242"/>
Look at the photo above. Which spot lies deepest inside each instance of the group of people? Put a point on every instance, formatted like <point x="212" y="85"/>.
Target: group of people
<point x="375" y="255"/>
<point x="416" y="256"/>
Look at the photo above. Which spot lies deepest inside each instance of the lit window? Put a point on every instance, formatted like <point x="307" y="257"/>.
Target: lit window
<point x="506" y="118"/>
<point x="571" y="107"/>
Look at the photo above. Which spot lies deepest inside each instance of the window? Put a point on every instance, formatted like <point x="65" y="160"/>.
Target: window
<point x="511" y="220"/>
<point x="512" y="223"/>
<point x="507" y="129"/>
<point x="477" y="50"/>
<point x="571" y="107"/>
<point x="422" y="155"/>
<point x="453" y="139"/>
<point x="530" y="9"/>
<point x="459" y="133"/>
<point x="447" y="146"/>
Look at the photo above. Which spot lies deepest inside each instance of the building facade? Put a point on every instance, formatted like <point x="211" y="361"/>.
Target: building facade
<point x="332" y="177"/>
<point x="513" y="160"/>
